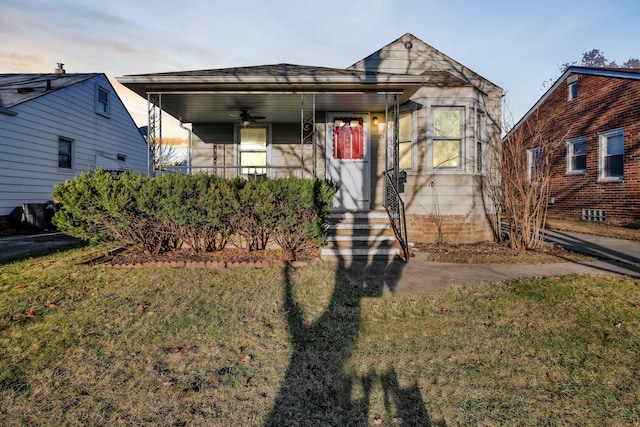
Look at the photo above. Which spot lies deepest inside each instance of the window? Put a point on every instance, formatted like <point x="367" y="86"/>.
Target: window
<point x="572" y="86"/>
<point x="252" y="151"/>
<point x="64" y="152"/>
<point x="573" y="90"/>
<point x="447" y="137"/>
<point x="534" y="161"/>
<point x="348" y="138"/>
<point x="577" y="155"/>
<point x="481" y="138"/>
<point x="405" y="136"/>
<point x="102" y="102"/>
<point x="612" y="154"/>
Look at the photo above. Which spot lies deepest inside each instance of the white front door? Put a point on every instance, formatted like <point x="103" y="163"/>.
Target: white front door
<point x="348" y="159"/>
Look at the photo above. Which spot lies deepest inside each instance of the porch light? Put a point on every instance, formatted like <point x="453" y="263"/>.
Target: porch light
<point x="375" y="120"/>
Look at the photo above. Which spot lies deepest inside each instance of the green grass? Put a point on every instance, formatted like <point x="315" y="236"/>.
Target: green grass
<point x="90" y="345"/>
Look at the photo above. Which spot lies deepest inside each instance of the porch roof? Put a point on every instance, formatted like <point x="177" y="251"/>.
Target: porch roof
<point x="215" y="96"/>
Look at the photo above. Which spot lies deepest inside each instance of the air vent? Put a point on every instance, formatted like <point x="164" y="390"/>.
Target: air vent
<point x="597" y="215"/>
<point x="24" y="90"/>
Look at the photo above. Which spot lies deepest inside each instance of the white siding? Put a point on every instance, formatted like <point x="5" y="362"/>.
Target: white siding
<point x="29" y="141"/>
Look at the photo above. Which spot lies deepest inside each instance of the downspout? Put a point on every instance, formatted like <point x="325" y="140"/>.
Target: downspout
<point x="190" y="132"/>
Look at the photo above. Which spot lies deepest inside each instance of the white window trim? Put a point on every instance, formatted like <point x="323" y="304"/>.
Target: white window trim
<point x="572" y="82"/>
<point x="414" y="139"/>
<point x="481" y="140"/>
<point x="237" y="148"/>
<point x="97" y="104"/>
<point x="463" y="139"/>
<point x="531" y="156"/>
<point x="570" y="143"/>
<point x="603" y="139"/>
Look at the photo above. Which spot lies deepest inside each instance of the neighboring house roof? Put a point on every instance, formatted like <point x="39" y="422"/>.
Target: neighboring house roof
<point x="617" y="73"/>
<point x="18" y="88"/>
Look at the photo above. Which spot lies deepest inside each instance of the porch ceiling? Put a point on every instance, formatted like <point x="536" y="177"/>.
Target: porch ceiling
<point x="272" y="91"/>
<point x="202" y="107"/>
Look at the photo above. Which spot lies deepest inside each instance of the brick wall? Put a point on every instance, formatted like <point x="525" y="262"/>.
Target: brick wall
<point x="603" y="104"/>
<point x="456" y="229"/>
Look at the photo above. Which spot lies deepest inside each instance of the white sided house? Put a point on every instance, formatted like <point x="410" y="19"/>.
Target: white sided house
<point x="55" y="126"/>
<point x="403" y="131"/>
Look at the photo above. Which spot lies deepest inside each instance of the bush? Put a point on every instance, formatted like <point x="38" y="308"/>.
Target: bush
<point x="200" y="212"/>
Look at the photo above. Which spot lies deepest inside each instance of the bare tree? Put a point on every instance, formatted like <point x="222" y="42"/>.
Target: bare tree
<point x="524" y="160"/>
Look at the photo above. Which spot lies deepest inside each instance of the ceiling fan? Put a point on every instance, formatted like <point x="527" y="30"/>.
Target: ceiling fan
<point x="246" y="119"/>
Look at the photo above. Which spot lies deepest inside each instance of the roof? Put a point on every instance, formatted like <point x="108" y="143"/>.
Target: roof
<point x="616" y="73"/>
<point x="18" y="88"/>
<point x="212" y="95"/>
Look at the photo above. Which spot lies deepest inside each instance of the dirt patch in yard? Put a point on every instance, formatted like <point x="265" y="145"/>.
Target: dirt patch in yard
<point x="496" y="253"/>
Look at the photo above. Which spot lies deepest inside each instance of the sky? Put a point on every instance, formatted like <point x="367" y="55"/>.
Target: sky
<point x="517" y="45"/>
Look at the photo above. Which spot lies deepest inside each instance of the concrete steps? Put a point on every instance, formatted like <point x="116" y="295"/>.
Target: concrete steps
<point x="361" y="234"/>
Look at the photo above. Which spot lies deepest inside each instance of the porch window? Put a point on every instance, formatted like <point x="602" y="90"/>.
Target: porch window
<point x="348" y="138"/>
<point x="612" y="154"/>
<point x="577" y="155"/>
<point x="447" y="137"/>
<point x="253" y="151"/>
<point x="405" y="136"/>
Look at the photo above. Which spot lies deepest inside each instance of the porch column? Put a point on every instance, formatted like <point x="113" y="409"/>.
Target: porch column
<point x="307" y="131"/>
<point x="392" y="109"/>
<point x="154" y="130"/>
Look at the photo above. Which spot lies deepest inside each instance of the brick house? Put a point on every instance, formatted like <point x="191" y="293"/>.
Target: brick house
<point x="595" y="114"/>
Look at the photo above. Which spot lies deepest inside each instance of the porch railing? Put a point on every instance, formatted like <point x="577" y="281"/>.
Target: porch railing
<point x="395" y="209"/>
<point x="249" y="172"/>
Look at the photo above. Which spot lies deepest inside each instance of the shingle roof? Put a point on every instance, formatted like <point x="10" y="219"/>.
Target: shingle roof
<point x="18" y="88"/>
<point x="274" y="70"/>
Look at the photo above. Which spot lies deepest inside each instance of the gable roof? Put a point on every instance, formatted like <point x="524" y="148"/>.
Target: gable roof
<point x="209" y="95"/>
<point x="411" y="55"/>
<point x="616" y="73"/>
<point x="19" y="88"/>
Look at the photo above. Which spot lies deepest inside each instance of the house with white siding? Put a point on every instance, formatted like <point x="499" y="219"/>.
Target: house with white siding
<point x="403" y="131"/>
<point x="55" y="126"/>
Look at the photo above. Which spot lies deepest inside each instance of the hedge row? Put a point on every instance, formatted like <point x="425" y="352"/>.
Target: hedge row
<point x="201" y="212"/>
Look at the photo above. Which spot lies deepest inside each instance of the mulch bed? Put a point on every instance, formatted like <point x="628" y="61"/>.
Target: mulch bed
<point x="226" y="258"/>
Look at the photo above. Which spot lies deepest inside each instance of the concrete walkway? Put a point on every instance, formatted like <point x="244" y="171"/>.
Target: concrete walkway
<point x="616" y="257"/>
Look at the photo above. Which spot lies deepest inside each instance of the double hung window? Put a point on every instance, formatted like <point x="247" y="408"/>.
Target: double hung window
<point x="406" y="138"/>
<point x="577" y="155"/>
<point x="252" y="151"/>
<point x="447" y="137"/>
<point x="65" y="146"/>
<point x="612" y="154"/>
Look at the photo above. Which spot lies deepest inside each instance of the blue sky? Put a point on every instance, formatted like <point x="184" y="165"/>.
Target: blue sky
<point x="516" y="45"/>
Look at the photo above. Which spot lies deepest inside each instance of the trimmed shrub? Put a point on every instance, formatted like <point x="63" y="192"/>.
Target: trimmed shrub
<point x="201" y="212"/>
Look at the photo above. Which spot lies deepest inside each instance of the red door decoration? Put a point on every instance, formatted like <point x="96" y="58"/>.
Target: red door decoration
<point x="348" y="138"/>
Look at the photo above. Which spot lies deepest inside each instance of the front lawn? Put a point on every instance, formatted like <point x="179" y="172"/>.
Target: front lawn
<point x="87" y="344"/>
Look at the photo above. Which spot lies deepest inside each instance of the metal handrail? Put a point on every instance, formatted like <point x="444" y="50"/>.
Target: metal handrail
<point x="395" y="209"/>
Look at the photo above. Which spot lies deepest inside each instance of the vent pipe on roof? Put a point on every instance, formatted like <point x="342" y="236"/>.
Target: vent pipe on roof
<point x="60" y="69"/>
<point x="48" y="84"/>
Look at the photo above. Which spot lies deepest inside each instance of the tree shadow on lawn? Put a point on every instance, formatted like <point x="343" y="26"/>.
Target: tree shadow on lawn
<point x="316" y="390"/>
